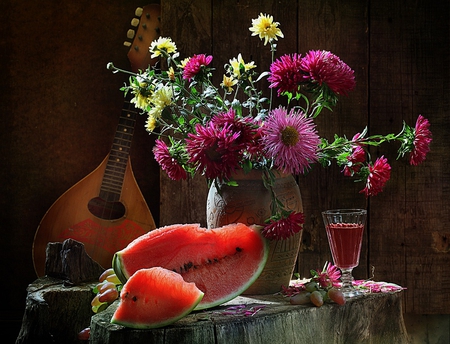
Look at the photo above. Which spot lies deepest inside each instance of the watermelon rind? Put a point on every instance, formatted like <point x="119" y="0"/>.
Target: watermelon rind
<point x="116" y="265"/>
<point x="229" y="280"/>
<point x="166" y="288"/>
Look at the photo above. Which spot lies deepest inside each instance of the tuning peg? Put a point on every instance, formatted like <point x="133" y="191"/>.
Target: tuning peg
<point x="127" y="44"/>
<point x="138" y="11"/>
<point x="130" y="33"/>
<point x="135" y="22"/>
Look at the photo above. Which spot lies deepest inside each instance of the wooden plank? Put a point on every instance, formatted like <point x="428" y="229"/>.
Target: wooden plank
<point x="427" y="328"/>
<point x="188" y="23"/>
<point x="410" y="76"/>
<point x="340" y="27"/>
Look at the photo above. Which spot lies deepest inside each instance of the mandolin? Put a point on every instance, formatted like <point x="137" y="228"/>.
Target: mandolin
<point x="106" y="209"/>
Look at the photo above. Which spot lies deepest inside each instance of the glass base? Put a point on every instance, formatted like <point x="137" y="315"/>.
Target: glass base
<point x="350" y="292"/>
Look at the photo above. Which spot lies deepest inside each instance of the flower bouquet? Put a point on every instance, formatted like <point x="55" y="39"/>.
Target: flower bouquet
<point x="216" y="130"/>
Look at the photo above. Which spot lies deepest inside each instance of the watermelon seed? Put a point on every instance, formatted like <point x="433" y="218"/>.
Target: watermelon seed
<point x="134" y="298"/>
<point x="238" y="249"/>
<point x="188" y="266"/>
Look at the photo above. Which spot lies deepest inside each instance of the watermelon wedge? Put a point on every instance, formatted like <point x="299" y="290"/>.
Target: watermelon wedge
<point x="222" y="262"/>
<point x="154" y="298"/>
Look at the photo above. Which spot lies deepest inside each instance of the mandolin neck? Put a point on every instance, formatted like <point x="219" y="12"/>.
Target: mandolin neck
<point x="111" y="187"/>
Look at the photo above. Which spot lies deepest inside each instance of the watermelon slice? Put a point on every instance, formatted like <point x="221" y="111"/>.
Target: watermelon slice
<point x="222" y="262"/>
<point x="154" y="298"/>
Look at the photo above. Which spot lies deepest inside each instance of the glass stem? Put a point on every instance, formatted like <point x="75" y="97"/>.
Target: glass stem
<point x="347" y="279"/>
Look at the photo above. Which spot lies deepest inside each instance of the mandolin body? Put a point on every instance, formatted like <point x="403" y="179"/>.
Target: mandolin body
<point x="70" y="217"/>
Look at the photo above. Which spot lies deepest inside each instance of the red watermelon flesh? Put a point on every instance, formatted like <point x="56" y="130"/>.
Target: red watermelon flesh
<point x="222" y="262"/>
<point x="154" y="298"/>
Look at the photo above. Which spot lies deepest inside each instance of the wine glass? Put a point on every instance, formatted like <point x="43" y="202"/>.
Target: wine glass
<point x="345" y="229"/>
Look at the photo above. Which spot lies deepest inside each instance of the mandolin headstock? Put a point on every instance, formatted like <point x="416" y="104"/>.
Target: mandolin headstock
<point x="145" y="30"/>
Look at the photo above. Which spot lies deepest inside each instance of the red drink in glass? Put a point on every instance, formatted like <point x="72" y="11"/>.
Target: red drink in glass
<point x="345" y="241"/>
<point x="345" y="229"/>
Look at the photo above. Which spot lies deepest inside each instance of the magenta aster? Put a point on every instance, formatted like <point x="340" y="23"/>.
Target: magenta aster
<point x="290" y="139"/>
<point x="213" y="150"/>
<point x="285" y="227"/>
<point x="168" y="163"/>
<point x="379" y="174"/>
<point x="330" y="276"/>
<point x="286" y="73"/>
<point x="195" y="64"/>
<point x="323" y="67"/>
<point x="355" y="160"/>
<point x="422" y="141"/>
<point x="245" y="126"/>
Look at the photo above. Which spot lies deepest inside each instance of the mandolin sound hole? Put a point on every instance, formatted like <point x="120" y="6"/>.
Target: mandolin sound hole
<point x="106" y="210"/>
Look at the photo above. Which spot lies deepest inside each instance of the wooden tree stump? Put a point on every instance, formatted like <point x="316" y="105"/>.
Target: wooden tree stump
<point x="371" y="319"/>
<point x="58" y="306"/>
<point x="55" y="312"/>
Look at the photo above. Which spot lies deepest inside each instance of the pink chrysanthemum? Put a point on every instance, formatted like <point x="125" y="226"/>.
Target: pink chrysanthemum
<point x="330" y="276"/>
<point x="213" y="150"/>
<point x="245" y="126"/>
<point x="285" y="227"/>
<point x="379" y="174"/>
<point x="422" y="141"/>
<point x="355" y="160"/>
<point x="290" y="139"/>
<point x="286" y="73"/>
<point x="195" y="64"/>
<point x="169" y="164"/>
<point x="323" y="67"/>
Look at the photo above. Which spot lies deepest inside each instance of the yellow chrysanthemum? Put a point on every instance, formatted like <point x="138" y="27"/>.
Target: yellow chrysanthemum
<point x="162" y="44"/>
<point x="162" y="97"/>
<point x="266" y="28"/>
<point x="141" y="92"/>
<point x="150" y="124"/>
<point x="237" y="62"/>
<point x="183" y="62"/>
<point x="171" y="74"/>
<point x="228" y="82"/>
<point x="141" y="101"/>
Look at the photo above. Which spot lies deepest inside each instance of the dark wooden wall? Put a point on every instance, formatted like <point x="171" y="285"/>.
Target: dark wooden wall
<point x="60" y="107"/>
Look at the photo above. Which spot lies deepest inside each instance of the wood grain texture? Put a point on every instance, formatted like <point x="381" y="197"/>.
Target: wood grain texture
<point x="55" y="313"/>
<point x="342" y="28"/>
<point x="358" y="321"/>
<point x="185" y="201"/>
<point x="410" y="70"/>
